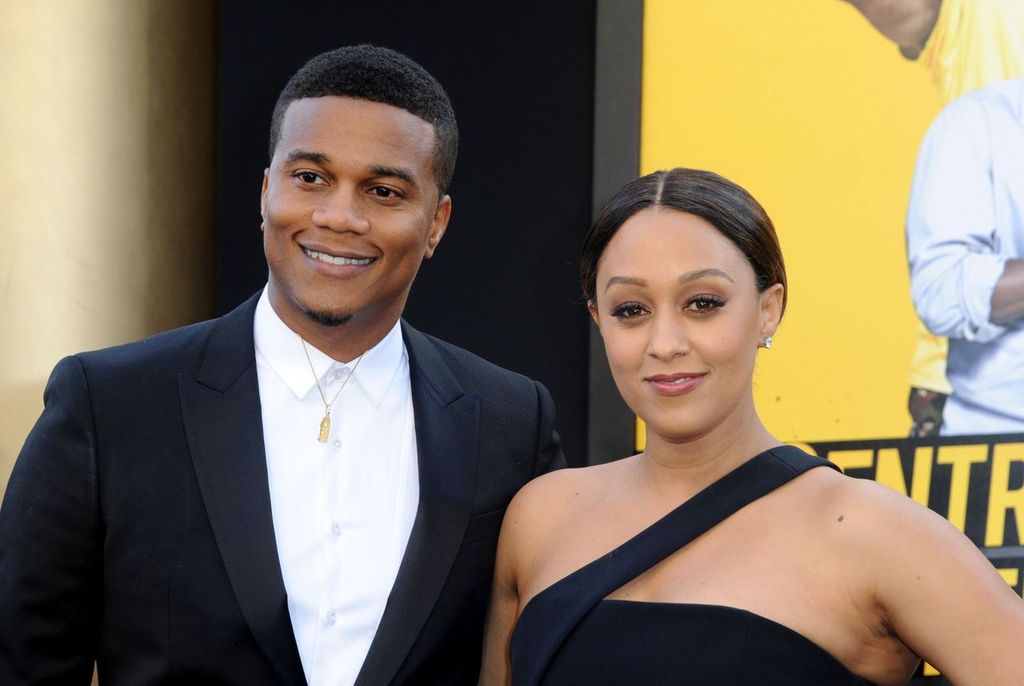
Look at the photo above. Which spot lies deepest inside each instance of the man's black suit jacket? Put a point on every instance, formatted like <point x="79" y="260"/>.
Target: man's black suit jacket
<point x="137" y="531"/>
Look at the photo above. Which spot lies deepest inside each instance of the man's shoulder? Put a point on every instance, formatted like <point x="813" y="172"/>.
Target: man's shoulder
<point x="176" y="350"/>
<point x="469" y="368"/>
<point x="160" y="345"/>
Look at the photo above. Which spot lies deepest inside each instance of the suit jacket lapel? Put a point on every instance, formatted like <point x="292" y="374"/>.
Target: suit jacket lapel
<point x="221" y="408"/>
<point x="447" y="425"/>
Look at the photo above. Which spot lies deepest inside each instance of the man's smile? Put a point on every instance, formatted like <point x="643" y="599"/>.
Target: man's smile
<point x="338" y="259"/>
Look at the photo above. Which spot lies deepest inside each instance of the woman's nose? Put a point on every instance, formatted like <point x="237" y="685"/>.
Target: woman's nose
<point x="668" y="338"/>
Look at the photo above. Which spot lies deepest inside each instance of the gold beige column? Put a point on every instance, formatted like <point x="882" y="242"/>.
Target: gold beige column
<point x="106" y="183"/>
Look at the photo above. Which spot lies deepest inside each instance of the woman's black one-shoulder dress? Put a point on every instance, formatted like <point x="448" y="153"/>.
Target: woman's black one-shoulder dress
<point x="570" y="633"/>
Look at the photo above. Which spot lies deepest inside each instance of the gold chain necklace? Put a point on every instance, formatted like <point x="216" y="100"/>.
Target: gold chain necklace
<point x="325" y="423"/>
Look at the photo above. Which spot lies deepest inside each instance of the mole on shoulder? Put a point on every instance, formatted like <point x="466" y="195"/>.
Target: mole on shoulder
<point x="840" y="518"/>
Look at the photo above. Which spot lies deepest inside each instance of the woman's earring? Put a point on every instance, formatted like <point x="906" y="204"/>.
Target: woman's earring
<point x="767" y="343"/>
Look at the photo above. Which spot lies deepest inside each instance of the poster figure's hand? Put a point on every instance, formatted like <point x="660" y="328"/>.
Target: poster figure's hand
<point x="926" y="412"/>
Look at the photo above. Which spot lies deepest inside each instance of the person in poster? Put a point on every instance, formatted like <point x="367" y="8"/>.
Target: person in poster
<point x="965" y="45"/>
<point x="965" y="243"/>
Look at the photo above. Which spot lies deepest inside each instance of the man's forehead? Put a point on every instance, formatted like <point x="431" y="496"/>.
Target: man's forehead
<point x="325" y="125"/>
<point x="308" y="110"/>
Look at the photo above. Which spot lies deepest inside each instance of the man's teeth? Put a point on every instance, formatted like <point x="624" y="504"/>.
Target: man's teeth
<point x="331" y="259"/>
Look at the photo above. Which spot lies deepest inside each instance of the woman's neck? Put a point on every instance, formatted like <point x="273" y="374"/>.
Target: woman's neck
<point x="681" y="467"/>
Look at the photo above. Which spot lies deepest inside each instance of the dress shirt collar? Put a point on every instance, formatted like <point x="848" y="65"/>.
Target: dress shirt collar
<point x="281" y="348"/>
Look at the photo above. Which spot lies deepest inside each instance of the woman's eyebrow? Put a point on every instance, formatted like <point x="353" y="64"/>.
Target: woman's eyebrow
<point x="685" y="277"/>
<point x="701" y="273"/>
<point x="628" y="280"/>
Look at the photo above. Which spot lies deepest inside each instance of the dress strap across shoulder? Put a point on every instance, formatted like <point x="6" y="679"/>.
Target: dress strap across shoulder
<point x="553" y="613"/>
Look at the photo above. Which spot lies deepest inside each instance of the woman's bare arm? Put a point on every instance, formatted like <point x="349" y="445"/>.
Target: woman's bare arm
<point x="501" y="616"/>
<point x="938" y="592"/>
<point x="529" y="521"/>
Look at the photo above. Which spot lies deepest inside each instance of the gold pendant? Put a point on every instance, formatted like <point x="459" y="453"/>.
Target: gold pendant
<point x="325" y="428"/>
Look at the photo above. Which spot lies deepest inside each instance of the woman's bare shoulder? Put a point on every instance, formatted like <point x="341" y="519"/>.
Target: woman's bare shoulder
<point x="862" y="514"/>
<point x="891" y="541"/>
<point x="546" y="508"/>
<point x="559" y="494"/>
<point x="872" y="510"/>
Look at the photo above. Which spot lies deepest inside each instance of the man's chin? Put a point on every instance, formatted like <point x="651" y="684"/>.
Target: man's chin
<point x="325" y="318"/>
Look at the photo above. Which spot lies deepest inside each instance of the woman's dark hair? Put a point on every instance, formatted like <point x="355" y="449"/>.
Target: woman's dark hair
<point x="717" y="200"/>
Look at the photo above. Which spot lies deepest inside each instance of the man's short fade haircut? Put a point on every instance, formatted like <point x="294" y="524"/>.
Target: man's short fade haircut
<point x="368" y="72"/>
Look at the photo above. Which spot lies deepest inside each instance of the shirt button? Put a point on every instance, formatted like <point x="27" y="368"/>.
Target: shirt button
<point x="335" y="530"/>
<point x="337" y="443"/>
<point x="332" y="618"/>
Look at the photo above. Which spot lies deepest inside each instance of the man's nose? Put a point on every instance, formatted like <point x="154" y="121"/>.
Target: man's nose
<point x="341" y="211"/>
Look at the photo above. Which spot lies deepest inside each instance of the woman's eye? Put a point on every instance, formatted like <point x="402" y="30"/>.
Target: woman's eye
<point x="705" y="303"/>
<point x="628" y="311"/>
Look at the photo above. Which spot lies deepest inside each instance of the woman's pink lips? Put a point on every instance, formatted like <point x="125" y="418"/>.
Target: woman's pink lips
<point x="675" y="384"/>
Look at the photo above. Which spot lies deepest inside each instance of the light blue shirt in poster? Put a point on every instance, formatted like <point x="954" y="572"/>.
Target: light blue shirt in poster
<point x="965" y="220"/>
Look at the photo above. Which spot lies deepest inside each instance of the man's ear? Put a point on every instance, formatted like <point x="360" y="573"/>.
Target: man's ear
<point x="263" y="197"/>
<point x="438" y="226"/>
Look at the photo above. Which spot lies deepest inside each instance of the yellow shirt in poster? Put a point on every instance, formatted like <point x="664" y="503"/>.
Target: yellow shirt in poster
<point x="974" y="44"/>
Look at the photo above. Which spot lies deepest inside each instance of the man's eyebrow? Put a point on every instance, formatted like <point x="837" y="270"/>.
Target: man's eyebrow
<point x="396" y="172"/>
<point x="628" y="280"/>
<point x="299" y="154"/>
<point x="701" y="273"/>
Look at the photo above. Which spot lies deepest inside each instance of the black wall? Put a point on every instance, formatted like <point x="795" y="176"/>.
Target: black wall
<point x="521" y="78"/>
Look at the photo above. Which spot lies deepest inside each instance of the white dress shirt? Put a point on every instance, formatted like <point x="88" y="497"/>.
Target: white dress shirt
<point x="343" y="510"/>
<point x="966" y="219"/>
